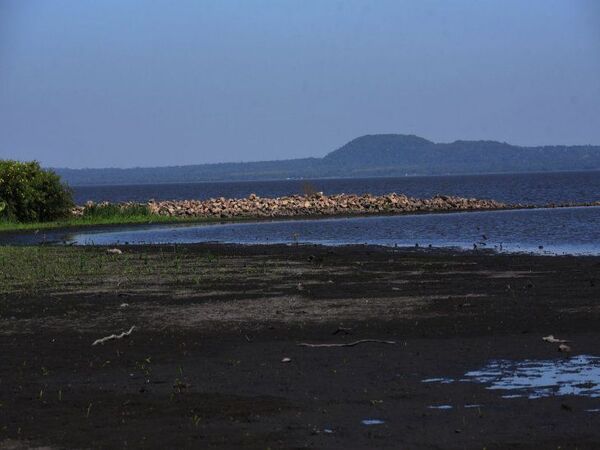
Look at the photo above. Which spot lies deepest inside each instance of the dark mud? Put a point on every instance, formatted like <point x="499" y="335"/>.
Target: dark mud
<point x="204" y="367"/>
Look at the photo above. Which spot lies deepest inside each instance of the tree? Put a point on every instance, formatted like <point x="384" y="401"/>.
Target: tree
<point x="29" y="193"/>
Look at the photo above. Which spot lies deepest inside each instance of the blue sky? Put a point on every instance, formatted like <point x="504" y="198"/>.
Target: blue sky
<point x="121" y="83"/>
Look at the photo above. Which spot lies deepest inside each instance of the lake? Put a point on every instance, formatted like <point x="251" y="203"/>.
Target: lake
<point x="544" y="230"/>
<point x="537" y="188"/>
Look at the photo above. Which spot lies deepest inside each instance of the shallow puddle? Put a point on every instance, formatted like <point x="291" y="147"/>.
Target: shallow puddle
<point x="443" y="380"/>
<point x="369" y="422"/>
<point x="578" y="375"/>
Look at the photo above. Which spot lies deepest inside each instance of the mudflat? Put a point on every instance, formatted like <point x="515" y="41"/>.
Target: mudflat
<point x="214" y="360"/>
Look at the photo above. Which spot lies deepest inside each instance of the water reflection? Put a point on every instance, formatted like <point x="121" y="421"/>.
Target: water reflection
<point x="578" y="375"/>
<point x="546" y="231"/>
<point x="369" y="422"/>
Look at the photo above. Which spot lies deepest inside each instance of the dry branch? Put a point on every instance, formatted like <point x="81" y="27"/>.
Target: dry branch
<point x="114" y="336"/>
<point x="349" y="344"/>
<point x="554" y="340"/>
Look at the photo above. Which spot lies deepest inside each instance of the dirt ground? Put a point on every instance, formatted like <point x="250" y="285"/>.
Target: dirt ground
<point x="214" y="360"/>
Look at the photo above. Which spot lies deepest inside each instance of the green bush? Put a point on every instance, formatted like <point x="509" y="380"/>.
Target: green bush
<point x="29" y="193"/>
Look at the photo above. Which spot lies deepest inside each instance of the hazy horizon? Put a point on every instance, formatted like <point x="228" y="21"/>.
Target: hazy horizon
<point x="139" y="84"/>
<point x="281" y="159"/>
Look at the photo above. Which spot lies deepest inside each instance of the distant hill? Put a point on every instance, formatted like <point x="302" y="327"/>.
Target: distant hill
<point x="366" y="156"/>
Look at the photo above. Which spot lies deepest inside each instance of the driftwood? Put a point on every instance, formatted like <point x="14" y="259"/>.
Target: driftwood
<point x="554" y="340"/>
<point x="349" y="344"/>
<point x="114" y="336"/>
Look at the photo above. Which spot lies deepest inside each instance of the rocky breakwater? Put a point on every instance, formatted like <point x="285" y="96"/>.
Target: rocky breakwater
<point x="316" y="205"/>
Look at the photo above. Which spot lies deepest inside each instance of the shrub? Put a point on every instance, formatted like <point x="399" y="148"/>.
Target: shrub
<point x="29" y="193"/>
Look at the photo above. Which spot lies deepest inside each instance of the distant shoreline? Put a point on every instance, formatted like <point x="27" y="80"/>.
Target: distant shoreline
<point x="317" y="179"/>
<point x="380" y="155"/>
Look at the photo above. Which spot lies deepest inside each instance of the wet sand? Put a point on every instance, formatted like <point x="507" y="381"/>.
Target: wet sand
<point x="205" y="368"/>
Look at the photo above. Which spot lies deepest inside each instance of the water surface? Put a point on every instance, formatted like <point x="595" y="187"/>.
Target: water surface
<point x="579" y="375"/>
<point x="552" y="231"/>
<point x="530" y="378"/>
<point x="531" y="188"/>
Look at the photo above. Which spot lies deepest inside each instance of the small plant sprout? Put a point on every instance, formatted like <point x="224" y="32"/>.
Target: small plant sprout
<point x="196" y="420"/>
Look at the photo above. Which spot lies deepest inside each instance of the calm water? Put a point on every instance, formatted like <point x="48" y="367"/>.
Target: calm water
<point x="578" y="375"/>
<point x="512" y="188"/>
<point x="558" y="231"/>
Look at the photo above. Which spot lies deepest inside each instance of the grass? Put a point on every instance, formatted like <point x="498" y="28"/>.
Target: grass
<point x="172" y="271"/>
<point x="26" y="268"/>
<point x="103" y="215"/>
<point x="41" y="269"/>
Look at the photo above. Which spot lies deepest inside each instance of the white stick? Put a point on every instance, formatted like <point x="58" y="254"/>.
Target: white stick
<point x="114" y="336"/>
<point x="349" y="344"/>
<point x="554" y="340"/>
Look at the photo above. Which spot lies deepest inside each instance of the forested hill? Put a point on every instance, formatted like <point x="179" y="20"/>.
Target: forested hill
<point x="366" y="156"/>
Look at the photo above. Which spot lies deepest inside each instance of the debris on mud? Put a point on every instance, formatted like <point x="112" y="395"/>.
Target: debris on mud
<point x="349" y="344"/>
<point x="114" y="336"/>
<point x="550" y="338"/>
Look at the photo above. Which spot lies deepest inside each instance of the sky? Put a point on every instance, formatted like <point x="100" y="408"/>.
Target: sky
<point x="128" y="83"/>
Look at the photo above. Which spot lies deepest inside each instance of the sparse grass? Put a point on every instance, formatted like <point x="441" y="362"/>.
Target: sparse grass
<point x="36" y="270"/>
<point x="26" y="268"/>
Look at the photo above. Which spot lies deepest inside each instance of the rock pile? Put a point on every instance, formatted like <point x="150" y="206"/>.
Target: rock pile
<point x="311" y="205"/>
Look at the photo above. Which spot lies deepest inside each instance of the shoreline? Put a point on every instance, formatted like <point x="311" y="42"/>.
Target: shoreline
<point x="315" y="206"/>
<point x="56" y="228"/>
<point x="215" y="360"/>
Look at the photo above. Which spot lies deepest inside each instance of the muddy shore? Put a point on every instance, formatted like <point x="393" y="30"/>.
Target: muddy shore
<point x="204" y="367"/>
